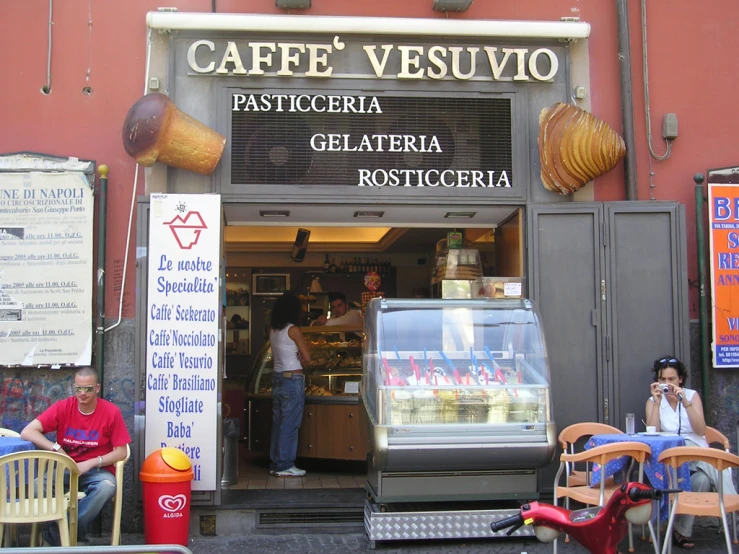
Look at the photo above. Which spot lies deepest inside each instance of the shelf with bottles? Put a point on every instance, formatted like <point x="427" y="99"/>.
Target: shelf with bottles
<point x="356" y="265"/>
<point x="237" y="317"/>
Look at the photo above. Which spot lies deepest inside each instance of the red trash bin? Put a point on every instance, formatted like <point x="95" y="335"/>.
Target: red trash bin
<point x="166" y="476"/>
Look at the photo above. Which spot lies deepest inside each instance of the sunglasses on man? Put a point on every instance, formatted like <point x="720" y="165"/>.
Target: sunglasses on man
<point x="87" y="388"/>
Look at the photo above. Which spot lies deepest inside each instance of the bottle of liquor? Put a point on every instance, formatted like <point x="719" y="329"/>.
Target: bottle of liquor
<point x="326" y="264"/>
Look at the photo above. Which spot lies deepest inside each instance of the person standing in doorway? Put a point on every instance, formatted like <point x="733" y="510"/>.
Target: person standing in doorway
<point x="289" y="353"/>
<point x="340" y="312"/>
<point x="91" y="431"/>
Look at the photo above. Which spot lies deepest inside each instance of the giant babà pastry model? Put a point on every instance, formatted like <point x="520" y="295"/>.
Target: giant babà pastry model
<point x="156" y="131"/>
<point x="575" y="147"/>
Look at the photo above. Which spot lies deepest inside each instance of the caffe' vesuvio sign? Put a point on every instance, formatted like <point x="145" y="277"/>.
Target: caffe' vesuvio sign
<point x="370" y="143"/>
<point x="288" y="59"/>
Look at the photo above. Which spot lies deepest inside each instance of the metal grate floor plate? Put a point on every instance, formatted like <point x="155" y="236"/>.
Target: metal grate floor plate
<point x="307" y="518"/>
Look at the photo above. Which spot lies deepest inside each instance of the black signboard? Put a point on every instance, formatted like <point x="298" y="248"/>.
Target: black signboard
<point x="284" y="139"/>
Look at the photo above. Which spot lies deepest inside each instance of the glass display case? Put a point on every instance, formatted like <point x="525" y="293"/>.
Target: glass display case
<point x="334" y="424"/>
<point x="465" y="381"/>
<point x="332" y="375"/>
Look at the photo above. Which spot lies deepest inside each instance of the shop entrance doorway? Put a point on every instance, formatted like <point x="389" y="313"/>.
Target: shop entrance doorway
<point x="401" y="262"/>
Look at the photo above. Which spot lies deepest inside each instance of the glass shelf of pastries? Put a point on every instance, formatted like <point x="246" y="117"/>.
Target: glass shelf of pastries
<point x="331" y="377"/>
<point x="443" y="368"/>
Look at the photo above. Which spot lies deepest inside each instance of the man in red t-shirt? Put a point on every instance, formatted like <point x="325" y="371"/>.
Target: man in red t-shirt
<point x="91" y="431"/>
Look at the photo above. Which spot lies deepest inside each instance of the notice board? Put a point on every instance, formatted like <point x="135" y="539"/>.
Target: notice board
<point x="723" y="205"/>
<point x="46" y="268"/>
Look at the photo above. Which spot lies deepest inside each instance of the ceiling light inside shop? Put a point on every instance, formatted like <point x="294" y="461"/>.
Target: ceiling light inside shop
<point x="274" y="213"/>
<point x="462" y="215"/>
<point x="369" y="214"/>
<point x="286" y="235"/>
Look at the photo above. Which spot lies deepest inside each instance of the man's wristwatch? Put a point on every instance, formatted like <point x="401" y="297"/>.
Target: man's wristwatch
<point x="57" y="447"/>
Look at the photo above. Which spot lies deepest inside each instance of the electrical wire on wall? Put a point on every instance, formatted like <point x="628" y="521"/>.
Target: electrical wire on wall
<point x="86" y="89"/>
<point x="46" y="89"/>
<point x="645" y="64"/>
<point x="133" y="200"/>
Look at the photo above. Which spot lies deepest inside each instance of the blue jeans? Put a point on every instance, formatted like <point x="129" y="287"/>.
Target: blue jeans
<point x="288" y="399"/>
<point x="99" y="488"/>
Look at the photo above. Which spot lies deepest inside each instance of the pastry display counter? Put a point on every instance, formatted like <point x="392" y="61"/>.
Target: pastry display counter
<point x="334" y="424"/>
<point x="458" y="398"/>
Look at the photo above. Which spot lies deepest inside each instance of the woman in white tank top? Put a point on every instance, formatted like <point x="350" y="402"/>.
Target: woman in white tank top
<point x="289" y="352"/>
<point x="680" y="411"/>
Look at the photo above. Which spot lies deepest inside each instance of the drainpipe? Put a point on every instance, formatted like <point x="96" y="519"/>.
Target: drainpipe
<point x="100" y="323"/>
<point x="703" y="305"/>
<point x="627" y="98"/>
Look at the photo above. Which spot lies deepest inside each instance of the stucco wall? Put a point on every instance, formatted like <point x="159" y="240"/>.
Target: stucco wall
<point x="102" y="45"/>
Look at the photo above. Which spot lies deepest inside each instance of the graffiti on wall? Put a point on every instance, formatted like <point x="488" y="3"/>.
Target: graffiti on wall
<point x="25" y="395"/>
<point x="22" y="399"/>
<point x="121" y="392"/>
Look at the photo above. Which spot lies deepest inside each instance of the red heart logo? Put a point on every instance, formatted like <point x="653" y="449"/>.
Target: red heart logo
<point x="172" y="503"/>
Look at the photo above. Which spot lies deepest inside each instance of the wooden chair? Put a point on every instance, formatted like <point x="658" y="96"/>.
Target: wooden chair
<point x="22" y="502"/>
<point x="716" y="504"/>
<point x="9" y="433"/>
<point x="601" y="455"/>
<point x="567" y="442"/>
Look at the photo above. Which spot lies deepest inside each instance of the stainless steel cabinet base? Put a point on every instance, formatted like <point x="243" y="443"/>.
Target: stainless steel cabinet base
<point x="419" y="525"/>
<point x="445" y="486"/>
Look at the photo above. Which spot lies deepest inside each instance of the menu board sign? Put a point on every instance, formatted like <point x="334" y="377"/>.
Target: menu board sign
<point x="46" y="268"/>
<point x="724" y="244"/>
<point x="182" y="340"/>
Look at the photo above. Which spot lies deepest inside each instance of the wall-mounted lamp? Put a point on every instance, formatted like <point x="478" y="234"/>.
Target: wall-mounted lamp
<point x="293" y="4"/>
<point x="451" y="5"/>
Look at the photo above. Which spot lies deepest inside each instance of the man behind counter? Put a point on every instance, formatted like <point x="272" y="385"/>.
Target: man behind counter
<point x="340" y="312"/>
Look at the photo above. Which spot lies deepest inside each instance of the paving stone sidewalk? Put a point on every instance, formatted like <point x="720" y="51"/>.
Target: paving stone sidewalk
<point x="706" y="537"/>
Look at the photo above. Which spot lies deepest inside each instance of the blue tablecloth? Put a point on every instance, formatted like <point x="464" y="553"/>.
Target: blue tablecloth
<point x="9" y="445"/>
<point x="655" y="472"/>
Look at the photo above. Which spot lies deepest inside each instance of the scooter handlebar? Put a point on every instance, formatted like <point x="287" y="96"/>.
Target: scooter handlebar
<point x="636" y="494"/>
<point x="515" y="521"/>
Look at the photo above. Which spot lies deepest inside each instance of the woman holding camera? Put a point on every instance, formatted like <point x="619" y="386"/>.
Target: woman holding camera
<point x="674" y="409"/>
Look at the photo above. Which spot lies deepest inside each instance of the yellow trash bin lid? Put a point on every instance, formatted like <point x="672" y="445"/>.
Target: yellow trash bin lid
<point x="166" y="465"/>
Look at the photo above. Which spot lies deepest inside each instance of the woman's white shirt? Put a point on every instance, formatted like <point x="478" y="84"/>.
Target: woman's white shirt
<point x="672" y="421"/>
<point x="284" y="351"/>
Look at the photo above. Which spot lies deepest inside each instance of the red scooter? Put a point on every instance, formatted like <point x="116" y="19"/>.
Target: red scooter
<point x="598" y="529"/>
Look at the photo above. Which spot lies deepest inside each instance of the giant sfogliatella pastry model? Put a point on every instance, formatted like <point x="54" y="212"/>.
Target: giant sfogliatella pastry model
<point x="575" y="147"/>
<point x="155" y="130"/>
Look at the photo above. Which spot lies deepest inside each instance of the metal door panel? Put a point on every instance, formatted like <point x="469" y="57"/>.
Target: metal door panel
<point x="565" y="261"/>
<point x="646" y="296"/>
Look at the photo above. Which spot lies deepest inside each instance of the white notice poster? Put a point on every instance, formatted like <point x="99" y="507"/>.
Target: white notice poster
<point x="46" y="268"/>
<point x="182" y="329"/>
